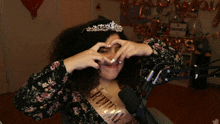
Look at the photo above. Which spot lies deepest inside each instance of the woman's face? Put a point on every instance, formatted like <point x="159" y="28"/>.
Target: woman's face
<point x="110" y="72"/>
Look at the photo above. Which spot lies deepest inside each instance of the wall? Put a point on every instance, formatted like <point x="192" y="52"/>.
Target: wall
<point x="111" y="10"/>
<point x="74" y="12"/>
<point x="3" y="84"/>
<point x="24" y="41"/>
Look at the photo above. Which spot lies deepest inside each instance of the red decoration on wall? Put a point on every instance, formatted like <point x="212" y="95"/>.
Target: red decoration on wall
<point x="32" y="6"/>
<point x="216" y="19"/>
<point x="189" y="44"/>
<point x="190" y="6"/>
<point x="205" y="7"/>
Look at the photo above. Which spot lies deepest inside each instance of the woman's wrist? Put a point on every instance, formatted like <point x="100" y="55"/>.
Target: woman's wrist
<point x="68" y="65"/>
<point x="148" y="49"/>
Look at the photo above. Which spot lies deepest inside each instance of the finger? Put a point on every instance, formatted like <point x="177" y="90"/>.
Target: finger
<point x="120" y="51"/>
<point x="129" y="54"/>
<point x="98" y="45"/>
<point x="106" y="60"/>
<point x="102" y="59"/>
<point x="95" y="65"/>
<point x="126" y="53"/>
<point x="119" y="41"/>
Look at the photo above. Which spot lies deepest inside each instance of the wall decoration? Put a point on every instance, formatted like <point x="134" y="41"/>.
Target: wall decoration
<point x="134" y="14"/>
<point x="32" y="6"/>
<point x="182" y="44"/>
<point x="187" y="9"/>
<point x="217" y="18"/>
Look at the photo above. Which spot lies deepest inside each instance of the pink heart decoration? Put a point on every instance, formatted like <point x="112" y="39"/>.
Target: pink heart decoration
<point x="32" y="6"/>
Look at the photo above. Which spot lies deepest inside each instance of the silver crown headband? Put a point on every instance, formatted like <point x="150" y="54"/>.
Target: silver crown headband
<point x="105" y="27"/>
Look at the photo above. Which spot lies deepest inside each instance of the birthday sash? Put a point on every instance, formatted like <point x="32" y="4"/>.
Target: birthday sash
<point x="111" y="110"/>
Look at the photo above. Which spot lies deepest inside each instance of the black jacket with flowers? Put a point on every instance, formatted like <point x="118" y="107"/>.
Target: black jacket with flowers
<point x="46" y="93"/>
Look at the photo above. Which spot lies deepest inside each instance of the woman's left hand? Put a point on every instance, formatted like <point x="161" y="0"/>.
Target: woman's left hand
<point x="129" y="48"/>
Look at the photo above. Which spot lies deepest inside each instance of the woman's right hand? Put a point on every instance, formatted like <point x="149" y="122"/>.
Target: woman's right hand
<point x="86" y="59"/>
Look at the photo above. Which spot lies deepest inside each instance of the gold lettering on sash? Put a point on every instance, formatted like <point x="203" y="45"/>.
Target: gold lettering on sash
<point x="119" y="118"/>
<point x="105" y="101"/>
<point x="108" y="107"/>
<point x="96" y="95"/>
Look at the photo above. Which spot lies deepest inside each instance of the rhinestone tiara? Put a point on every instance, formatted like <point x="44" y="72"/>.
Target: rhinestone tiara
<point x="105" y="27"/>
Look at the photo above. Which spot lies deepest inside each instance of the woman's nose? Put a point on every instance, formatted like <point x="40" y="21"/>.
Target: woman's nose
<point x="111" y="55"/>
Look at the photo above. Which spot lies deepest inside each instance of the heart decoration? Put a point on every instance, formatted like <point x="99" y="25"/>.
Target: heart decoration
<point x="32" y="6"/>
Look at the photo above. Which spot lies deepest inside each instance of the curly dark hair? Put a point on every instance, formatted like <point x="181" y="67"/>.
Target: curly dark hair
<point x="75" y="40"/>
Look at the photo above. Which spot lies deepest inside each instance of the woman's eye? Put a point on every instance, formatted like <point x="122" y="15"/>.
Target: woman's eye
<point x="117" y="49"/>
<point x="103" y="51"/>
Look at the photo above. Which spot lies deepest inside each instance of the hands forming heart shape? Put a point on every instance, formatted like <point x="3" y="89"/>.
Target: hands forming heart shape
<point x="87" y="58"/>
<point x="129" y="48"/>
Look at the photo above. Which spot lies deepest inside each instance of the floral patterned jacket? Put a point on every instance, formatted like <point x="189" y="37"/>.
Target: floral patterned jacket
<point x="45" y="93"/>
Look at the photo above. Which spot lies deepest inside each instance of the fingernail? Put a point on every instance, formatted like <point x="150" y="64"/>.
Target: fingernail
<point x="109" y="45"/>
<point x="119" y="62"/>
<point x="113" y="60"/>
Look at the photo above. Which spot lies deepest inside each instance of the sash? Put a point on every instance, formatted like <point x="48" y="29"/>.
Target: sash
<point x="111" y="110"/>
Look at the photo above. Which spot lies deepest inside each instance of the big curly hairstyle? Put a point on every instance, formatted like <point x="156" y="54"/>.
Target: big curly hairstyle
<point x="75" y="40"/>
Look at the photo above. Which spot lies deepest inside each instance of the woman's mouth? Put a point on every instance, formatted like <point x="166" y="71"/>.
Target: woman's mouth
<point x="112" y="66"/>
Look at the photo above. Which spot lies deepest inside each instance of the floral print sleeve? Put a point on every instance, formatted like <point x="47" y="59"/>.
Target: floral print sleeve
<point x="161" y="53"/>
<point x="43" y="95"/>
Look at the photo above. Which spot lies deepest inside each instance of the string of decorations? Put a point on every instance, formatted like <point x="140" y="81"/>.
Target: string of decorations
<point x="150" y="30"/>
<point x="190" y="6"/>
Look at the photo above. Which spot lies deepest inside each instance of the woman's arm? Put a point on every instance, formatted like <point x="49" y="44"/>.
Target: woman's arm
<point x="161" y="53"/>
<point x="44" y="93"/>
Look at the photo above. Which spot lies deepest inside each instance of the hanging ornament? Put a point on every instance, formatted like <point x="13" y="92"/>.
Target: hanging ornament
<point x="32" y="6"/>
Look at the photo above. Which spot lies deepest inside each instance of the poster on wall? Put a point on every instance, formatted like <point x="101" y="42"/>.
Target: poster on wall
<point x="134" y="15"/>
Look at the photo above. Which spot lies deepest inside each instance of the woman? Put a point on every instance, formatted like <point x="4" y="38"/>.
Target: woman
<point x="90" y="65"/>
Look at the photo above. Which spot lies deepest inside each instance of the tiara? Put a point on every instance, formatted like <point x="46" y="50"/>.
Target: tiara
<point x="105" y="27"/>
